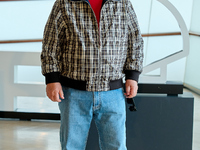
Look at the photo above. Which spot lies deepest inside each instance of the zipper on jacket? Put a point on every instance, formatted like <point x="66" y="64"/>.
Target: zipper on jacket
<point x="98" y="27"/>
<point x="99" y="40"/>
<point x="100" y="46"/>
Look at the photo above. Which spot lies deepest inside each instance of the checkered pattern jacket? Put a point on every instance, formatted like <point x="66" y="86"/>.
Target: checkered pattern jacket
<point x="76" y="51"/>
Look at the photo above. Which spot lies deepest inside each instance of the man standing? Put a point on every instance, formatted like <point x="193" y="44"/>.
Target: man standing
<point x="88" y="47"/>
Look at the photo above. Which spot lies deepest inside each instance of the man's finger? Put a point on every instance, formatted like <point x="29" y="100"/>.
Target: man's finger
<point x="133" y="92"/>
<point x="61" y="94"/>
<point x="130" y="95"/>
<point x="50" y="96"/>
<point x="56" y="98"/>
<point x="127" y="90"/>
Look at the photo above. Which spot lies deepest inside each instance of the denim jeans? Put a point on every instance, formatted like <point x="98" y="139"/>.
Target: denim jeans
<point x="107" y="108"/>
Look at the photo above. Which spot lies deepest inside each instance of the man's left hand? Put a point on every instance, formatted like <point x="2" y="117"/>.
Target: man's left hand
<point x="131" y="88"/>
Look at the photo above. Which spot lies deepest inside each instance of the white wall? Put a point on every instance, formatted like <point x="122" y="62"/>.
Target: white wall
<point x="192" y="74"/>
<point x="23" y="19"/>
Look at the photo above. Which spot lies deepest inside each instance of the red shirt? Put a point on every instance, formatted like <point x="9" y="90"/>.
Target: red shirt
<point x="96" y="6"/>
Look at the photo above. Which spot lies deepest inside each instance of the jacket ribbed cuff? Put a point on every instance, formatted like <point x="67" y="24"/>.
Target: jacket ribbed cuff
<point x="132" y="74"/>
<point x="52" y="77"/>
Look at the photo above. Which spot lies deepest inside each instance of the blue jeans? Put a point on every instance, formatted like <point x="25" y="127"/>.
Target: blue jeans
<point x="107" y="108"/>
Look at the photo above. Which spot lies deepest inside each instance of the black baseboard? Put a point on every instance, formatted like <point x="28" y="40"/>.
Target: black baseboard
<point x="29" y="116"/>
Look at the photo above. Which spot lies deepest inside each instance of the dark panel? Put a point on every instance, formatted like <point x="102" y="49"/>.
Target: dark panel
<point x="93" y="139"/>
<point x="170" y="88"/>
<point x="160" y="123"/>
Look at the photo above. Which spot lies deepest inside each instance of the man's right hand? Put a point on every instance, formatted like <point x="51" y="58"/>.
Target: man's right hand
<point x="54" y="90"/>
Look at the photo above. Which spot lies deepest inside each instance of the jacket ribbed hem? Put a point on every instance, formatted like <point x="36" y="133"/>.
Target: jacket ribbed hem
<point x="132" y="74"/>
<point x="82" y="85"/>
<point x="52" y="77"/>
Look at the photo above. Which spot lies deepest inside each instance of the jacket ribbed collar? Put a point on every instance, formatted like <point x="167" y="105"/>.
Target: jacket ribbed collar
<point x="103" y="2"/>
<point x="88" y="0"/>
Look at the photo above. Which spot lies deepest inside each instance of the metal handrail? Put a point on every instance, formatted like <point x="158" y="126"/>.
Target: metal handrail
<point x="143" y="35"/>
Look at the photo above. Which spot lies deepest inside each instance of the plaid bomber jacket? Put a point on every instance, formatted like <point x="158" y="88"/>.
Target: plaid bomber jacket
<point x="79" y="54"/>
